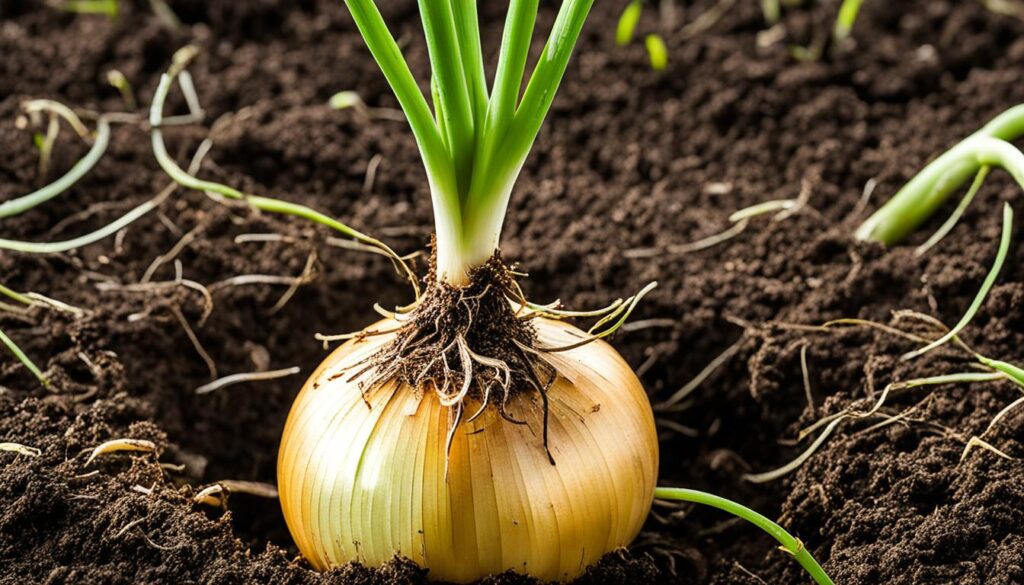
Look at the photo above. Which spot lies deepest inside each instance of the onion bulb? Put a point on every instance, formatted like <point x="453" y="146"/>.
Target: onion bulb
<point x="363" y="473"/>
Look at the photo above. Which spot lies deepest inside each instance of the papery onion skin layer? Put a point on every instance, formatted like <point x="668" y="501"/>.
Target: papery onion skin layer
<point x="364" y="484"/>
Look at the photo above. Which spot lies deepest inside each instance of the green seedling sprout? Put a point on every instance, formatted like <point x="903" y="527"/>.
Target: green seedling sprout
<point x="15" y="295"/>
<point x="84" y="240"/>
<point x="790" y="544"/>
<point x="24" y="203"/>
<point x="657" y="52"/>
<point x="841" y="30"/>
<point x="118" y="81"/>
<point x="772" y="11"/>
<point x="929" y="189"/>
<point x="108" y="8"/>
<point x="626" y="27"/>
<point x="979" y="299"/>
<point x="44" y="144"/>
<point x="844" y="22"/>
<point x="344" y="100"/>
<point x="24" y="359"/>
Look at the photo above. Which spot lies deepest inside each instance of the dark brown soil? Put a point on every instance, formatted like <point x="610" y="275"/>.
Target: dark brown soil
<point x="629" y="159"/>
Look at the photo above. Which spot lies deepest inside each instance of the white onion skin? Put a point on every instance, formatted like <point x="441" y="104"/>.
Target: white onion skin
<point x="361" y="483"/>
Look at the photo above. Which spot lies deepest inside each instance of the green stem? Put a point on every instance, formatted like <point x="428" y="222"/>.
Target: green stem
<point x="505" y="153"/>
<point x="270" y="204"/>
<point x="473" y="145"/>
<point x="90" y="238"/>
<point x="847" y="17"/>
<point x="928" y="190"/>
<point x="467" y="28"/>
<point x="389" y="57"/>
<point x="454" y="104"/>
<point x="83" y="166"/>
<point x="979" y="299"/>
<point x="24" y="359"/>
<point x="789" y="543"/>
<point x="15" y="295"/>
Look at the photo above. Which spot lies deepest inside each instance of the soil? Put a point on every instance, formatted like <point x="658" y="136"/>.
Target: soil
<point x="629" y="159"/>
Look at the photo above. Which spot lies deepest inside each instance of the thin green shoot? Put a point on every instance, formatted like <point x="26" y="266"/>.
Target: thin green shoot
<point x="103" y="232"/>
<point x="26" y="202"/>
<point x="808" y="54"/>
<point x="844" y="22"/>
<point x="620" y="314"/>
<point x="979" y="299"/>
<point x="344" y="100"/>
<point x="790" y="544"/>
<point x="39" y="141"/>
<point x="657" y="52"/>
<point x="626" y="27"/>
<point x="999" y="370"/>
<point x="1012" y="372"/>
<point x="938" y="380"/>
<point x="269" y="204"/>
<point x="108" y="8"/>
<point x="118" y="81"/>
<point x="772" y="11"/>
<point x="925" y="193"/>
<point x="939" y="326"/>
<point x="44" y="144"/>
<point x="24" y="359"/>
<point x="31" y="299"/>
<point x="15" y="295"/>
<point x="84" y="240"/>
<point x="954" y="218"/>
<point x="474" y="142"/>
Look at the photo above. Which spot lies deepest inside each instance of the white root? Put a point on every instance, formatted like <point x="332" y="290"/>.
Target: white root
<point x="117" y="445"/>
<point x="20" y="449"/>
<point x="246" y="377"/>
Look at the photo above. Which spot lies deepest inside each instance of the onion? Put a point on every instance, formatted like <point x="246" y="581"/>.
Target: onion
<point x="364" y="475"/>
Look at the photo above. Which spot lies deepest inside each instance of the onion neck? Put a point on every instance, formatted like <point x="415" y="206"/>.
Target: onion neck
<point x="468" y="237"/>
